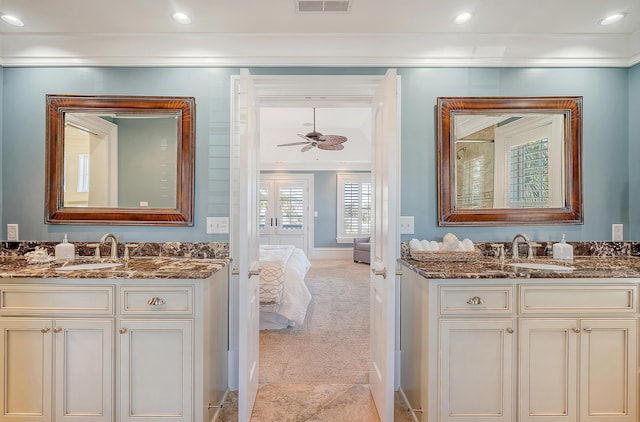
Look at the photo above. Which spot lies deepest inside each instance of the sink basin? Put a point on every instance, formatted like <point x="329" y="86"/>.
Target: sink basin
<point x="89" y="266"/>
<point x="541" y="266"/>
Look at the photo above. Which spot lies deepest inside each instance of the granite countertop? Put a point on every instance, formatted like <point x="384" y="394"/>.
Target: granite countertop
<point x="484" y="268"/>
<point x="134" y="268"/>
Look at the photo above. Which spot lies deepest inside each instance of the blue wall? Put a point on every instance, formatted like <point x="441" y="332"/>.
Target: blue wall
<point x="634" y="152"/>
<point x="608" y="138"/>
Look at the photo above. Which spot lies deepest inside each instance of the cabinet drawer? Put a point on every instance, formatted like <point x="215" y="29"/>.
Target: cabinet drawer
<point x="471" y="299"/>
<point x="174" y="300"/>
<point x="588" y="299"/>
<point x="58" y="299"/>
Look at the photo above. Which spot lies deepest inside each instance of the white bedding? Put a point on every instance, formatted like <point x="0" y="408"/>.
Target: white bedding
<point x="295" y="296"/>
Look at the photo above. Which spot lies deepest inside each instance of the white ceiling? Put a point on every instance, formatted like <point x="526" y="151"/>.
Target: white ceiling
<point x="281" y="125"/>
<point x="273" y="33"/>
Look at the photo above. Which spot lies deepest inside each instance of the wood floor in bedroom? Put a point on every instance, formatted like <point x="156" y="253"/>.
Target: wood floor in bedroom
<point x="319" y="371"/>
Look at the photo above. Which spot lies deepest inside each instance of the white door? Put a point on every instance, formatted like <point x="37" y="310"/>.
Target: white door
<point x="608" y="370"/>
<point x="385" y="243"/>
<point x="156" y="370"/>
<point x="26" y="359"/>
<point x="548" y="370"/>
<point x="245" y="242"/>
<point x="83" y="370"/>
<point x="477" y="370"/>
<point x="284" y="210"/>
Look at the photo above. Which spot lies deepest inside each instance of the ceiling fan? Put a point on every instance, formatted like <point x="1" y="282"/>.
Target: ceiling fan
<point x="318" y="140"/>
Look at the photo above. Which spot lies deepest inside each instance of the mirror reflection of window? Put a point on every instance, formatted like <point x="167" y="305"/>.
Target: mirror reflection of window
<point x="83" y="173"/>
<point x="529" y="174"/>
<point x="531" y="171"/>
<point x="509" y="161"/>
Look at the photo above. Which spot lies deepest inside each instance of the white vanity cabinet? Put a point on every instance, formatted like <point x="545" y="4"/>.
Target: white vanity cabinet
<point x="578" y="352"/>
<point x="113" y="349"/>
<point x="519" y="349"/>
<point x="55" y="360"/>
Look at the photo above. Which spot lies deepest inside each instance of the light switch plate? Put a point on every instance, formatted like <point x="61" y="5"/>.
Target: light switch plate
<point x="12" y="232"/>
<point x="406" y="224"/>
<point x="617" y="232"/>
<point x="217" y="225"/>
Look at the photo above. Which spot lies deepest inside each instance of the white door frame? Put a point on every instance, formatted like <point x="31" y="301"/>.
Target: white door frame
<point x="315" y="89"/>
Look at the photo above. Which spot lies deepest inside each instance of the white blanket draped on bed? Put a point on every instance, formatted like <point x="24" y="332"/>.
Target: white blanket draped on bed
<point x="284" y="304"/>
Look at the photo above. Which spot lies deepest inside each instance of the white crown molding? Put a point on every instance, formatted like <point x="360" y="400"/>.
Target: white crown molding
<point x="366" y="50"/>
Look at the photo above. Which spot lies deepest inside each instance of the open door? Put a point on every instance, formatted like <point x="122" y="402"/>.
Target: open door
<point x="244" y="241"/>
<point x="385" y="243"/>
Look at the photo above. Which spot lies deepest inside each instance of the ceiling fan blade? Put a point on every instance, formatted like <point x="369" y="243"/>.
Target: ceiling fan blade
<point x="332" y="139"/>
<point x="307" y="148"/>
<point x="308" y="138"/>
<point x="337" y="147"/>
<point x="293" y="143"/>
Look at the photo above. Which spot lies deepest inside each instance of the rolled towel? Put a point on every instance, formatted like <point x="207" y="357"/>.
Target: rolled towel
<point x="468" y="245"/>
<point x="450" y="242"/>
<point x="433" y="246"/>
<point x="425" y="245"/>
<point x="415" y="245"/>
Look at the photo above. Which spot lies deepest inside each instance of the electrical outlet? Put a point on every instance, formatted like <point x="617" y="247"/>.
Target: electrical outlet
<point x="217" y="225"/>
<point x="617" y="232"/>
<point x="406" y="225"/>
<point x="12" y="232"/>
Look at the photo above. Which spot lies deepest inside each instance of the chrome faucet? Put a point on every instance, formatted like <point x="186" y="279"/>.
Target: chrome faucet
<point x="514" y="244"/>
<point x="114" y="244"/>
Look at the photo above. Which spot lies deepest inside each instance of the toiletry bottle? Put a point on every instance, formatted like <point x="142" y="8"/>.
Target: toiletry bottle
<point x="562" y="250"/>
<point x="65" y="250"/>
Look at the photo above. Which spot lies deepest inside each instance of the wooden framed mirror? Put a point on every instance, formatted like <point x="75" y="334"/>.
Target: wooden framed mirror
<point x="119" y="160"/>
<point x="509" y="161"/>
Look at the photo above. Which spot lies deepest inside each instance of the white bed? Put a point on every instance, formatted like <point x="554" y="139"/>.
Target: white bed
<point x="284" y="296"/>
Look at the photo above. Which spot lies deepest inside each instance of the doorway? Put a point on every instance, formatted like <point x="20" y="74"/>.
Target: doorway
<point x="381" y="94"/>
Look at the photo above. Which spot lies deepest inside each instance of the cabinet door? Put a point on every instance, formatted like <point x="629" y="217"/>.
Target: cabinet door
<point x="608" y="370"/>
<point x="156" y="372"/>
<point x="26" y="368"/>
<point x="477" y="370"/>
<point x="83" y="370"/>
<point x="548" y="369"/>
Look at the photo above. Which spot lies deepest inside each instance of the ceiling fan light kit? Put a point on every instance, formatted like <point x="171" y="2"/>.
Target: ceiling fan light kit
<point x="315" y="139"/>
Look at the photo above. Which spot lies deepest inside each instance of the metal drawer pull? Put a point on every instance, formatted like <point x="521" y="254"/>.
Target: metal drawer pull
<point x="510" y="330"/>
<point x="45" y="330"/>
<point x="123" y="330"/>
<point x="588" y="330"/>
<point x="475" y="301"/>
<point x="576" y="330"/>
<point x="57" y="329"/>
<point x="156" y="301"/>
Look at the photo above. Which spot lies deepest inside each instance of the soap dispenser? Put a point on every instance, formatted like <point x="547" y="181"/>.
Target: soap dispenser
<point x="563" y="250"/>
<point x="65" y="251"/>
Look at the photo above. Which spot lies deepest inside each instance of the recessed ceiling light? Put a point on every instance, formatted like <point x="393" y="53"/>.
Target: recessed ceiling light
<point x="12" y="20"/>
<point x="462" y="18"/>
<point x="612" y="19"/>
<point x="182" y="18"/>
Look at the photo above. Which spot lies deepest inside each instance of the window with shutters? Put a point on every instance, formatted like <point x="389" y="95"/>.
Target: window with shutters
<point x="529" y="174"/>
<point x="263" y="204"/>
<point x="354" y="206"/>
<point x="291" y="200"/>
<point x="83" y="173"/>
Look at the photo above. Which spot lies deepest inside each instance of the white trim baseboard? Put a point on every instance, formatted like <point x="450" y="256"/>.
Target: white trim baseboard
<point x="331" y="253"/>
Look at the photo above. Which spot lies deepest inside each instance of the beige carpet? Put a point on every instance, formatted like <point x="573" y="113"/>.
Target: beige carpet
<point x="318" y="372"/>
<point x="332" y="346"/>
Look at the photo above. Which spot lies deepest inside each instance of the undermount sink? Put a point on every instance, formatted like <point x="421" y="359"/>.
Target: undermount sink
<point x="541" y="266"/>
<point x="89" y="266"/>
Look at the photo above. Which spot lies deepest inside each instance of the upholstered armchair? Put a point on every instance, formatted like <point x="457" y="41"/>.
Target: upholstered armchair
<point x="362" y="250"/>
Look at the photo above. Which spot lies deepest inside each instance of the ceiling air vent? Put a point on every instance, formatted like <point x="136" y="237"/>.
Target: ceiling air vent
<point x="322" y="6"/>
